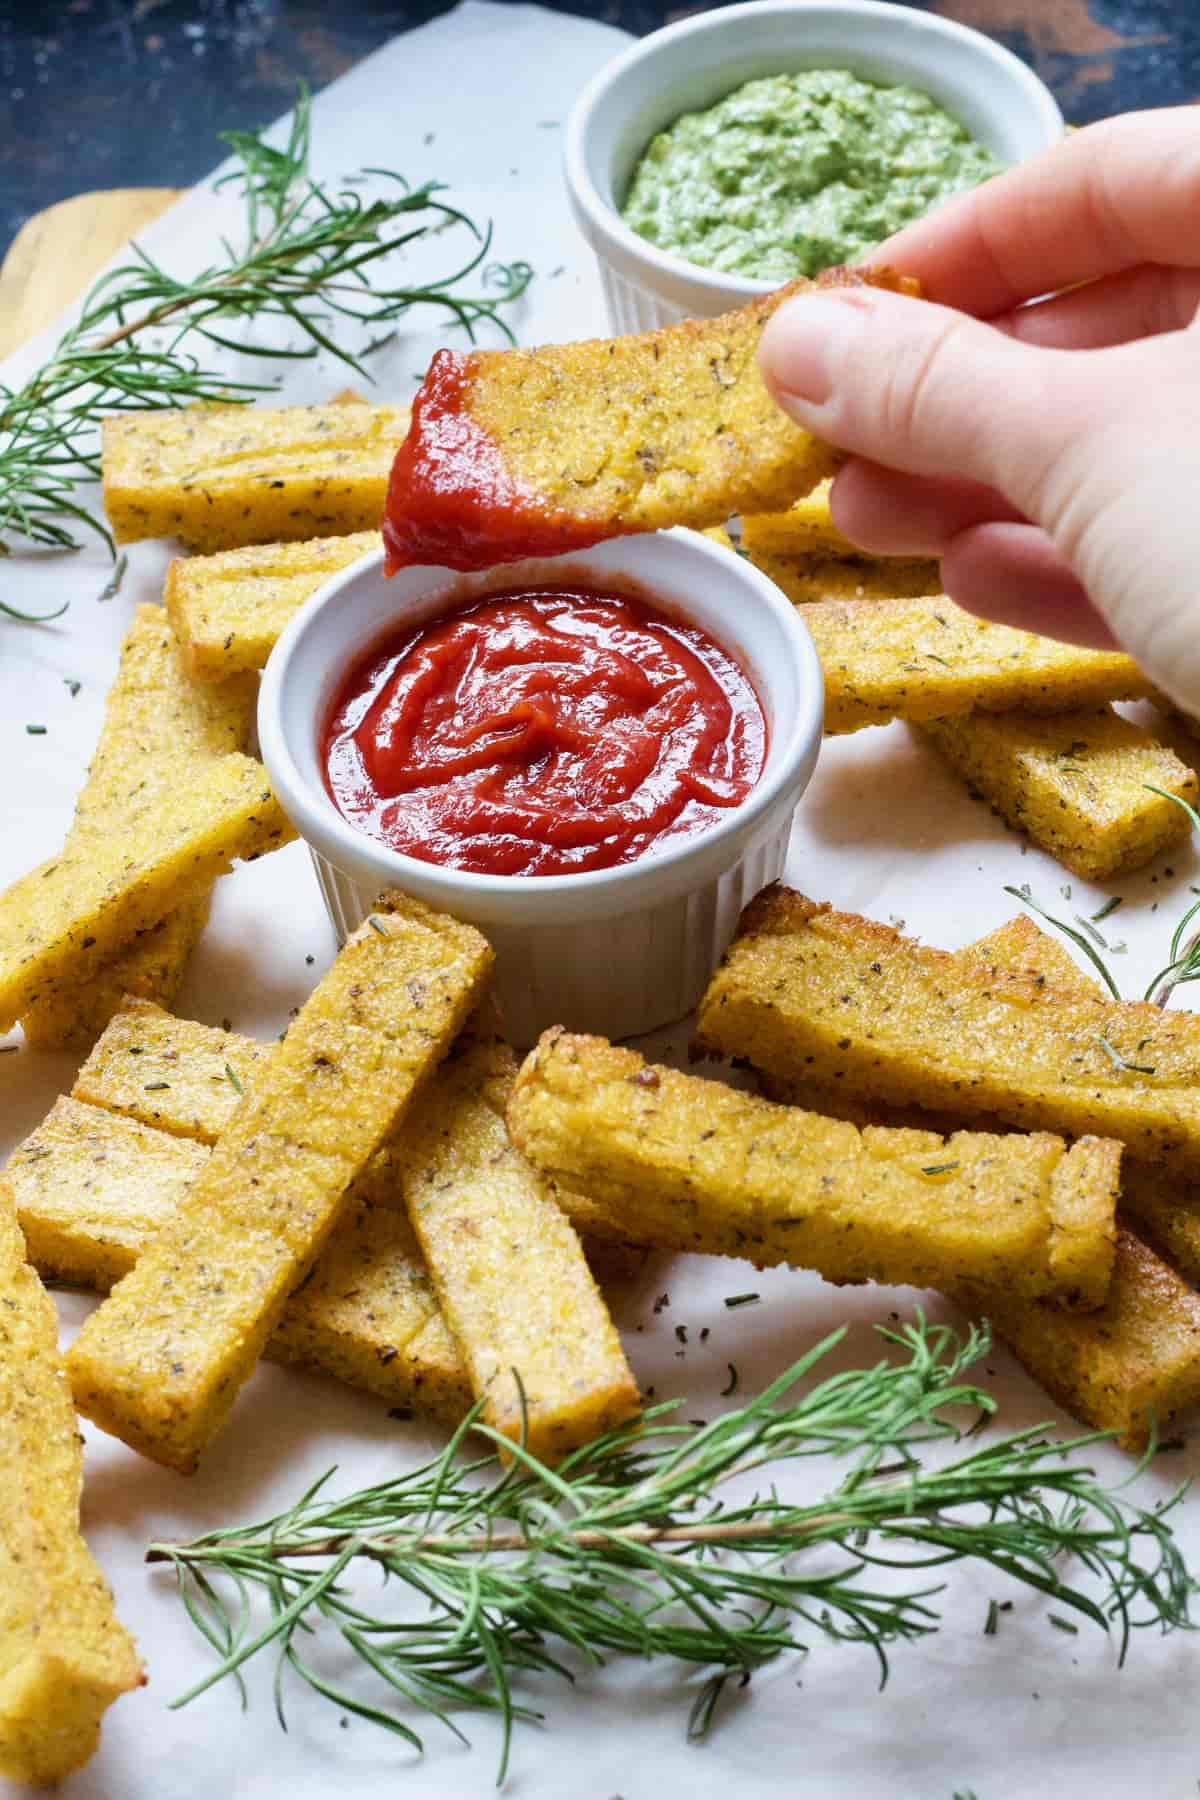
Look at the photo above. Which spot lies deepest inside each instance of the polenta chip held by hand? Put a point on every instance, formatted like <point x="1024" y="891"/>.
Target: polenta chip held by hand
<point x="516" y="453"/>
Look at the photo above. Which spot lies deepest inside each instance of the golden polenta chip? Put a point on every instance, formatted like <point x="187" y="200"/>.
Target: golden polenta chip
<point x="161" y="1361"/>
<point x="1165" y="1210"/>
<point x="807" y="580"/>
<point x="229" y="609"/>
<point x="63" y="922"/>
<point x="217" y="477"/>
<point x="532" y="452"/>
<point x="483" y="1218"/>
<point x="1078" y="783"/>
<point x="151" y="966"/>
<point x="1132" y="1366"/>
<point x="92" y="1188"/>
<point x="516" y="1292"/>
<point x="687" y="1164"/>
<point x="927" y="659"/>
<point x="803" y="529"/>
<point x="156" y="724"/>
<point x="64" y="1656"/>
<point x="157" y="721"/>
<point x="806" y="993"/>
<point x="182" y="1076"/>
<point x="1135" y="1360"/>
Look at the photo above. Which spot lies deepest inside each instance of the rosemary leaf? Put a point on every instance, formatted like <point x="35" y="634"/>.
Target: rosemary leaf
<point x="1119" y="1062"/>
<point x="112" y="586"/>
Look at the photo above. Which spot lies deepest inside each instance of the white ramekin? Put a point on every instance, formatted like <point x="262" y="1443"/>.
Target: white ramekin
<point x="695" y="62"/>
<point x="616" y="951"/>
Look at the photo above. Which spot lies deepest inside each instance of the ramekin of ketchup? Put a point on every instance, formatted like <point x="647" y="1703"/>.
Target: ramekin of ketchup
<point x="594" y="758"/>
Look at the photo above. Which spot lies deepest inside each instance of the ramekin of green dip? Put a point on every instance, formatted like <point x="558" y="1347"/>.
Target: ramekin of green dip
<point x="788" y="175"/>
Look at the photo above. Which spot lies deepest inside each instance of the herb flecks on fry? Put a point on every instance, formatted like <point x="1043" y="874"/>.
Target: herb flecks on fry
<point x="93" y="1187"/>
<point x="1091" y="788"/>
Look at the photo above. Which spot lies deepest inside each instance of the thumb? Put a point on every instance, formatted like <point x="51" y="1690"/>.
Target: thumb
<point x="927" y="390"/>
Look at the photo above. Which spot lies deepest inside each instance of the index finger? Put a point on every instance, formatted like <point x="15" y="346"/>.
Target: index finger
<point x="1120" y="193"/>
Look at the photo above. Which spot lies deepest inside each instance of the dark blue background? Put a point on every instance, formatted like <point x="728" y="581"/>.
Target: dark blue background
<point x="131" y="93"/>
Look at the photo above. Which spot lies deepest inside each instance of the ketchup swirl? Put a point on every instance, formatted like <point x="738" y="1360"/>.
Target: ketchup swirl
<point x="543" y="732"/>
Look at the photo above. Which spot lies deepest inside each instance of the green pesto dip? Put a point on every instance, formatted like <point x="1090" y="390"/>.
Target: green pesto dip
<point x="790" y="174"/>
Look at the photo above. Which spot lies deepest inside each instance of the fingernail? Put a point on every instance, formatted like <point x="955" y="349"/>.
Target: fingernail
<point x="805" y="342"/>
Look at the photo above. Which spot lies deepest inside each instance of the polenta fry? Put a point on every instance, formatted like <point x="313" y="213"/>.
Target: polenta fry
<point x="805" y="528"/>
<point x="686" y="1164"/>
<point x="1077" y="783"/>
<point x="92" y="1188"/>
<point x="161" y="1361"/>
<point x="64" y="1656"/>
<point x="150" y="967"/>
<point x="217" y="477"/>
<point x="514" y="453"/>
<point x="1165" y="1210"/>
<point x="809" y="994"/>
<point x="156" y="724"/>
<point x="156" y="721"/>
<point x="809" y="580"/>
<point x="1130" y="1367"/>
<point x="1134" y="1363"/>
<point x="228" y="609"/>
<point x="184" y="1077"/>
<point x="516" y="1292"/>
<point x="927" y="659"/>
<point x="62" y="923"/>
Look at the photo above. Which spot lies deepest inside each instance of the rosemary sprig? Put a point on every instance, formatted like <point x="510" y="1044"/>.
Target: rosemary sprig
<point x="631" y="1546"/>
<point x="142" y="339"/>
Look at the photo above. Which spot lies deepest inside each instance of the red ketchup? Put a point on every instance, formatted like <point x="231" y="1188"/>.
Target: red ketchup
<point x="451" y="500"/>
<point x="542" y="732"/>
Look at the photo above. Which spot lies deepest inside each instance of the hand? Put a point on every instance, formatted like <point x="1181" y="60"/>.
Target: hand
<point x="1048" y="453"/>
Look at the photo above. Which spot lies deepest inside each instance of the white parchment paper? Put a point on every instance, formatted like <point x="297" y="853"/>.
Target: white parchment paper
<point x="477" y="99"/>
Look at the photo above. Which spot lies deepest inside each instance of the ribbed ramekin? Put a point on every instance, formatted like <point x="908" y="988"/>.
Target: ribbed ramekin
<point x="615" y="951"/>
<point x="692" y="64"/>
